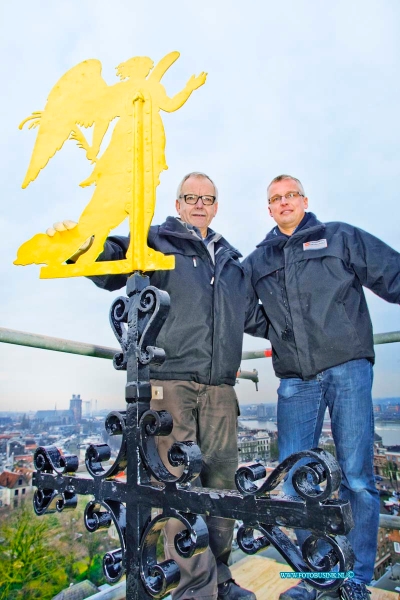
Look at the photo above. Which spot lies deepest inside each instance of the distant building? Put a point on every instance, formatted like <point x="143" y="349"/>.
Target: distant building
<point x="393" y="455"/>
<point x="30" y="445"/>
<point x="393" y="449"/>
<point x="14" y="486"/>
<point x="387" y="409"/>
<point x="23" y="460"/>
<point x="5" y="439"/>
<point x="380" y="462"/>
<point x="390" y="580"/>
<point x="54" y="417"/>
<point x="266" y="411"/>
<point x="3" y="442"/>
<point x="253" y="447"/>
<point x="261" y="411"/>
<point x="383" y="553"/>
<point x="15" y="447"/>
<point x="75" y="404"/>
<point x="72" y="416"/>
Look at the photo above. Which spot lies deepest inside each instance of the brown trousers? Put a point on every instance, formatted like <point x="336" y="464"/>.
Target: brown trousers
<point x="206" y="415"/>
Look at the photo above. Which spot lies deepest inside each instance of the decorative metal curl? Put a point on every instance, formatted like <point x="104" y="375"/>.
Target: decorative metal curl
<point x="319" y="553"/>
<point x="151" y="308"/>
<point x="245" y="476"/>
<point x="337" y="553"/>
<point x="100" y="515"/>
<point x="113" y="567"/>
<point x="160" y="578"/>
<point x="118" y="315"/>
<point x="248" y="543"/>
<point x="96" y="454"/>
<point x="95" y="518"/>
<point x="181" y="454"/>
<point x="51" y="501"/>
<point x="322" y="468"/>
<point x="49" y="458"/>
<point x="154" y="301"/>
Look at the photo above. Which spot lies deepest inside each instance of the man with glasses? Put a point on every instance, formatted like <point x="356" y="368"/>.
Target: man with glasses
<point x="309" y="277"/>
<point x="202" y="339"/>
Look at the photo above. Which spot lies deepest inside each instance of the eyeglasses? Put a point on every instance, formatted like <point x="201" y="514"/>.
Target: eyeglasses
<point x="288" y="196"/>
<point x="193" y="198"/>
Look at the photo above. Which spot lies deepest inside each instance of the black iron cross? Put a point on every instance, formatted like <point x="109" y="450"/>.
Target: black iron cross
<point x="149" y="485"/>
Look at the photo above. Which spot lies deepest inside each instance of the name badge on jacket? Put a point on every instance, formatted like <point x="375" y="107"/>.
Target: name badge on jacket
<point x="316" y="245"/>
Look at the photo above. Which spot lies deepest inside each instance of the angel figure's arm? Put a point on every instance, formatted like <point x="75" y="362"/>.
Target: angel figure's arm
<point x="99" y="131"/>
<point x="172" y="104"/>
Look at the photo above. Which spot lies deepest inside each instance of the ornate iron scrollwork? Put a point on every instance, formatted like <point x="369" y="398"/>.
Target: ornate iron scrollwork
<point x="159" y="579"/>
<point x="149" y="485"/>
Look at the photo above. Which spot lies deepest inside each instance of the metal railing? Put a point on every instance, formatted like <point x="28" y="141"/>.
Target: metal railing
<point x="45" y="342"/>
<point x="379" y="338"/>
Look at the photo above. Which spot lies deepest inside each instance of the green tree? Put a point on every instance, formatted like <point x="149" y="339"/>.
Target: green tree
<point x="273" y="449"/>
<point x="94" y="543"/>
<point x="331" y="448"/>
<point x="391" y="471"/>
<point x="95" y="572"/>
<point x="30" y="568"/>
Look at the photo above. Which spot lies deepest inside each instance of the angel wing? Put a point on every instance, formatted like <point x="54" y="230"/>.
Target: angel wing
<point x="76" y="99"/>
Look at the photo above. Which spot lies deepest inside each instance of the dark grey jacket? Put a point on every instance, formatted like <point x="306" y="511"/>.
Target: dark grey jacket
<point x="211" y="304"/>
<point x="313" y="297"/>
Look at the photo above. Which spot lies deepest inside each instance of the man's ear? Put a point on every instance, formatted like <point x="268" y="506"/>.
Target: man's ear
<point x="269" y="210"/>
<point x="177" y="206"/>
<point x="305" y="202"/>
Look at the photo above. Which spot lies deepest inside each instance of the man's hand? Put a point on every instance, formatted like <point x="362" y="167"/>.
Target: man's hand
<point x="61" y="226"/>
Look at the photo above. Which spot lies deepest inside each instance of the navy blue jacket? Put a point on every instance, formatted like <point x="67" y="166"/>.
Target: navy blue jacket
<point x="311" y="287"/>
<point x="211" y="304"/>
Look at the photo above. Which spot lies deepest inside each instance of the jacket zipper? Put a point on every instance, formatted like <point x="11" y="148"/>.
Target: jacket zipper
<point x="213" y="307"/>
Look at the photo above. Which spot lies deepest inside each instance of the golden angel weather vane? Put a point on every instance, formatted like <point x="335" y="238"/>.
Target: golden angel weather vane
<point x="125" y="175"/>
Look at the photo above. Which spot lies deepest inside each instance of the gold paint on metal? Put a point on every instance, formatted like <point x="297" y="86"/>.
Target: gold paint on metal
<point x="126" y="174"/>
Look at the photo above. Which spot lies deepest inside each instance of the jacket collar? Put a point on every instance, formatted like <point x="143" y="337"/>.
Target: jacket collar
<point x="175" y="228"/>
<point x="275" y="235"/>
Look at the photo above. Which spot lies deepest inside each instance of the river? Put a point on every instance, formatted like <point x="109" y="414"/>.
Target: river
<point x="389" y="432"/>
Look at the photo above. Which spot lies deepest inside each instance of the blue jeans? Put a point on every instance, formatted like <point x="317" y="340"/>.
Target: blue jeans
<point x="346" y="391"/>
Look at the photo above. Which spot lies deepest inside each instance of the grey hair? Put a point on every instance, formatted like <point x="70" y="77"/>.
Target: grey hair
<point x="196" y="174"/>
<point x="282" y="177"/>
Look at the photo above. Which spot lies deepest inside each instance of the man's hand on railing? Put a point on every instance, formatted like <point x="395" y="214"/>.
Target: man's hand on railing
<point x="61" y="226"/>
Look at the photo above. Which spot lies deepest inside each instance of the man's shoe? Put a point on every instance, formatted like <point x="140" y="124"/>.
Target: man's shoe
<point x="328" y="595"/>
<point x="303" y="591"/>
<point x="351" y="590"/>
<point x="230" y="590"/>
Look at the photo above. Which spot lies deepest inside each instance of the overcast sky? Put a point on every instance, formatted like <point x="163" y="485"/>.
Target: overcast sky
<point x="303" y="87"/>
